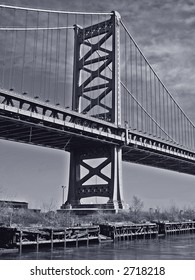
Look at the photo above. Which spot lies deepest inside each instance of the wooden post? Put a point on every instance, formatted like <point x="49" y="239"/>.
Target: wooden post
<point x="128" y="234"/>
<point x="37" y="242"/>
<point x="116" y="234"/>
<point x="87" y="237"/>
<point x="77" y="240"/>
<point x="21" y="233"/>
<point x="64" y="238"/>
<point x="120" y="234"/>
<point x="52" y="239"/>
<point x="165" y="229"/>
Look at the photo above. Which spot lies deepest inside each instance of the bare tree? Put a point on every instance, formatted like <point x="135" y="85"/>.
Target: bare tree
<point x="136" y="208"/>
<point x="49" y="206"/>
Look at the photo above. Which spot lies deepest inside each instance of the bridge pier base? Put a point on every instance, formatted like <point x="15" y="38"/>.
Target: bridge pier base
<point x="95" y="172"/>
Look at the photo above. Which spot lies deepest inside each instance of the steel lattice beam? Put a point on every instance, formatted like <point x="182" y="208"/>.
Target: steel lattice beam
<point x="83" y="89"/>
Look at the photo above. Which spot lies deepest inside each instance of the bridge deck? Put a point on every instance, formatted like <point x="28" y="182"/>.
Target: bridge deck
<point x="55" y="133"/>
<point x="141" y="155"/>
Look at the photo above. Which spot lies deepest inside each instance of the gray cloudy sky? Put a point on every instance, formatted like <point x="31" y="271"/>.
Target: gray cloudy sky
<point x="165" y="32"/>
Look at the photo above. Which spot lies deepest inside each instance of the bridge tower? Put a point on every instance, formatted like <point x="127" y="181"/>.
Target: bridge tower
<point x="96" y="93"/>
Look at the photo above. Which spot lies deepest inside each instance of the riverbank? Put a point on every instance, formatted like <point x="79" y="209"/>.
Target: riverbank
<point x="27" y="218"/>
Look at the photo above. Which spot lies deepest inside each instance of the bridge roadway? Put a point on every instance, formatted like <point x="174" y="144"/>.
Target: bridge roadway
<point x="27" y="120"/>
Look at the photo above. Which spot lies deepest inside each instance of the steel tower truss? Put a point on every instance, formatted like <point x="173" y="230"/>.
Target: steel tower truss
<point x="96" y="93"/>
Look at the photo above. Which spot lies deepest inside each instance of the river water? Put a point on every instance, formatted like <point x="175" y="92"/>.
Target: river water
<point x="162" y="248"/>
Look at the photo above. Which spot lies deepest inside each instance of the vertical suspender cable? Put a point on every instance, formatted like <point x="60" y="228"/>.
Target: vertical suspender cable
<point x="189" y="145"/>
<point x="57" y="60"/>
<point x="131" y="86"/>
<point x="4" y="59"/>
<point x="82" y="73"/>
<point x="164" y="109"/>
<point x="168" y="113"/>
<point x="129" y="79"/>
<point x="33" y="86"/>
<point x="105" y="72"/>
<point x="160" y="110"/>
<point x="182" y="129"/>
<point x="172" y="118"/>
<point x="142" y="101"/>
<point x="188" y="124"/>
<point x="14" y="60"/>
<point x="42" y="65"/>
<point x="155" y="97"/>
<point x="125" y="94"/>
<point x="136" y="89"/>
<point x="24" y="50"/>
<point x="12" y="45"/>
<point x="191" y="135"/>
<point x="179" y="125"/>
<point x="45" y="94"/>
<point x="65" y="63"/>
<point x="191" y="129"/>
<point x="50" y="65"/>
<point x="98" y="78"/>
<point x="91" y="68"/>
<point x="151" y="99"/>
<point x="187" y="138"/>
<point x="187" y="134"/>
<point x="146" y="85"/>
<point x="177" y="119"/>
<point x="175" y="127"/>
<point x="1" y="11"/>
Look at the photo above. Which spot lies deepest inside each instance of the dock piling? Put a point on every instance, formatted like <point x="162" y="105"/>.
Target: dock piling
<point x="21" y="234"/>
<point x="87" y="237"/>
<point x="52" y="239"/>
<point x="64" y="238"/>
<point x="37" y="239"/>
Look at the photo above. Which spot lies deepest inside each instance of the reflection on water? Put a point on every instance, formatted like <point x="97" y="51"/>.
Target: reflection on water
<point x="166" y="248"/>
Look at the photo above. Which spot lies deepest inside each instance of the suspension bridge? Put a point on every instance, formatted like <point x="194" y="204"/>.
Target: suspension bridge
<point x="78" y="82"/>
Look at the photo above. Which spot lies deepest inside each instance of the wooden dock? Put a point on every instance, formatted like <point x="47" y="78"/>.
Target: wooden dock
<point x="121" y="231"/>
<point x="12" y="239"/>
<point x="38" y="237"/>
<point x="168" y="228"/>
